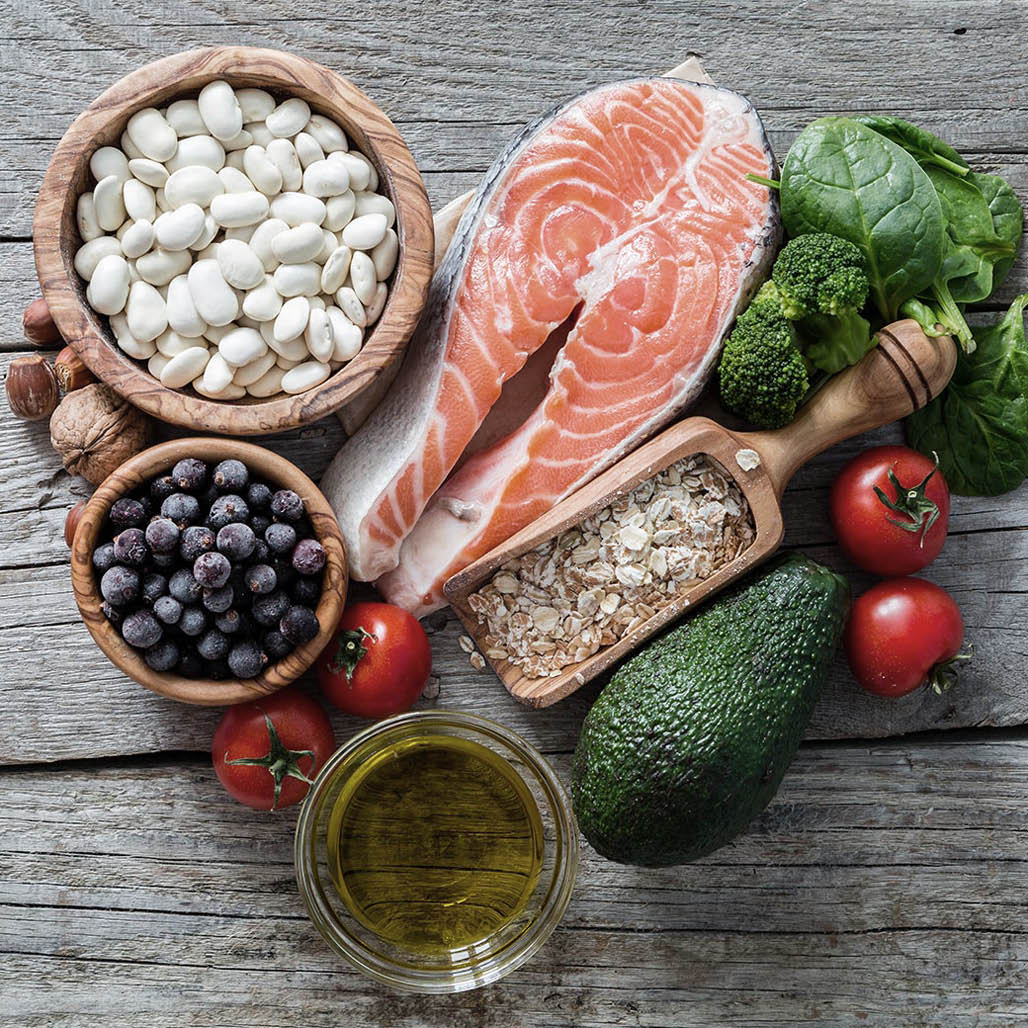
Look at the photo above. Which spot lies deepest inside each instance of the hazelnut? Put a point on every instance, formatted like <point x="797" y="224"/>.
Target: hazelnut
<point x="71" y="522"/>
<point x="39" y="327"/>
<point x="32" y="391"/>
<point x="71" y="373"/>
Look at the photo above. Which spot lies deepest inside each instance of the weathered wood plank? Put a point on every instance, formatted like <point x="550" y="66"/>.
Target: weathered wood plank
<point x="867" y="871"/>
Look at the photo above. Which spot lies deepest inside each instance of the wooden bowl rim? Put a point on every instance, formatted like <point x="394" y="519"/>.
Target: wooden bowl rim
<point x="84" y="331"/>
<point x="264" y="463"/>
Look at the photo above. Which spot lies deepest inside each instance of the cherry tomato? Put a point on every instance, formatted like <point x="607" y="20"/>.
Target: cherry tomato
<point x="890" y="510"/>
<point x="378" y="662"/>
<point x="902" y="633"/>
<point x="267" y="752"/>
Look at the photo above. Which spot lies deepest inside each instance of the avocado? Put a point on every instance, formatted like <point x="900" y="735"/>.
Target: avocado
<point x="692" y="735"/>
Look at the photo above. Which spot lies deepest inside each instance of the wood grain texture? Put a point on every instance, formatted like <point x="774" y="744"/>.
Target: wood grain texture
<point x="158" y="460"/>
<point x="102" y="122"/>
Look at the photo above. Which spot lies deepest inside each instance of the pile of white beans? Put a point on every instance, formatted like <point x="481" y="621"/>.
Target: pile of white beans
<point x="237" y="244"/>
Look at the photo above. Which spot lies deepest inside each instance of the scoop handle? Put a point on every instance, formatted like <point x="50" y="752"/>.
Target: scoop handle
<point x="905" y="371"/>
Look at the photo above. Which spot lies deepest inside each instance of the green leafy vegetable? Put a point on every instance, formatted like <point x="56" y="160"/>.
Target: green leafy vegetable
<point x="846" y="179"/>
<point x="924" y="316"/>
<point x="979" y="425"/>
<point x="925" y="148"/>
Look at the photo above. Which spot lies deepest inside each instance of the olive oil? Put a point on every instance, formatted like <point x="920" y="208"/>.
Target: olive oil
<point x="435" y="843"/>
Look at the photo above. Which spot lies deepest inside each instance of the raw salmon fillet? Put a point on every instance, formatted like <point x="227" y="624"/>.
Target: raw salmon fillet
<point x="628" y="204"/>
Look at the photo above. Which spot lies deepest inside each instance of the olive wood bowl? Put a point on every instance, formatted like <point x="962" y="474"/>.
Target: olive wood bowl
<point x="263" y="464"/>
<point x="56" y="236"/>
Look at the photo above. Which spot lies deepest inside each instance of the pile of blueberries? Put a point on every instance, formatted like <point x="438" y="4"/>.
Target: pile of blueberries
<point x="210" y="573"/>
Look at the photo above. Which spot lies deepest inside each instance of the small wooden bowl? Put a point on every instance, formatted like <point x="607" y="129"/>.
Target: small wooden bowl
<point x="264" y="464"/>
<point x="56" y="236"/>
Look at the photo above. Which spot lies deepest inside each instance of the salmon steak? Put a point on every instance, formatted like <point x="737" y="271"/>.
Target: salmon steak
<point x="628" y="210"/>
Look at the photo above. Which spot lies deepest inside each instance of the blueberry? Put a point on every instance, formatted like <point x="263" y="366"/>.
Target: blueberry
<point x="261" y="579"/>
<point x="308" y="556"/>
<point x="259" y="523"/>
<point x="284" y="571"/>
<point x="280" y="538"/>
<point x="163" y="656"/>
<point x="306" y="592"/>
<point x="182" y="508"/>
<point x="217" y="601"/>
<point x="196" y="539"/>
<point x="236" y="541"/>
<point x="127" y="513"/>
<point x="103" y="557"/>
<point x="299" y="625"/>
<point x="154" y="587"/>
<point x="286" y="505"/>
<point x="276" y="645"/>
<point x="213" y="645"/>
<point x="120" y="585"/>
<point x="190" y="665"/>
<point x="165" y="561"/>
<point x="141" y="630"/>
<point x="190" y="474"/>
<point x="231" y="476"/>
<point x="162" y="535"/>
<point x="193" y="621"/>
<point x="161" y="488"/>
<point x="167" y="610"/>
<point x="227" y="510"/>
<point x="216" y="670"/>
<point x="130" y="547"/>
<point x="211" y="570"/>
<point x="111" y="612"/>
<point x="269" y="610"/>
<point x="184" y="587"/>
<point x="230" y="622"/>
<point x="261" y="551"/>
<point x="245" y="659"/>
<point x="258" y="496"/>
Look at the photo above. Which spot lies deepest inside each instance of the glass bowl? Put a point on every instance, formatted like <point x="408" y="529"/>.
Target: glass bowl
<point x="442" y="970"/>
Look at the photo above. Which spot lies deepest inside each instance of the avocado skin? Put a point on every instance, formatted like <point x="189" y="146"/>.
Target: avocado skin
<point x="691" y="738"/>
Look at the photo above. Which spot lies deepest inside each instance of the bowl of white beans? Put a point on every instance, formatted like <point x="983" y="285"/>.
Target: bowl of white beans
<point x="236" y="240"/>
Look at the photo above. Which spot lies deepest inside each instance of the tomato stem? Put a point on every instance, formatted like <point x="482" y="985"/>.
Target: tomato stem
<point x="912" y="503"/>
<point x="280" y="761"/>
<point x="351" y="650"/>
<point x="945" y="674"/>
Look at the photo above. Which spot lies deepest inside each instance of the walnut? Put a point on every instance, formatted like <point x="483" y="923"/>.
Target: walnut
<point x="95" y="431"/>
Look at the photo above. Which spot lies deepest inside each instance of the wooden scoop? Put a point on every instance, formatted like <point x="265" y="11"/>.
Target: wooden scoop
<point x="900" y="375"/>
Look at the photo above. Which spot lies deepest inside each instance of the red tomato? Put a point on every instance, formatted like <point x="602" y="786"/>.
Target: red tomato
<point x="904" y="632"/>
<point x="378" y="662"/>
<point x="266" y="752"/>
<point x="890" y="509"/>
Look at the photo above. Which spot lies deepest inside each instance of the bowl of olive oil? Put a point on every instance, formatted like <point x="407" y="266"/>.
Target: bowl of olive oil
<point x="436" y="851"/>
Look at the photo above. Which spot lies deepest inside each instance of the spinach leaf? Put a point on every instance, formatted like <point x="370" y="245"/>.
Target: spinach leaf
<point x="844" y="178"/>
<point x="1007" y="218"/>
<point x="979" y="425"/>
<point x="925" y="148"/>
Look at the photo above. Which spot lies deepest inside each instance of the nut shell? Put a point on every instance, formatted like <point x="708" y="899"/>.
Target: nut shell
<point x="38" y="326"/>
<point x="95" y="431"/>
<point x="71" y="373"/>
<point x="32" y="391"/>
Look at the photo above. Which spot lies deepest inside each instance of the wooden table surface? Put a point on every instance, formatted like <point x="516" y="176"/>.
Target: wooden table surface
<point x="888" y="882"/>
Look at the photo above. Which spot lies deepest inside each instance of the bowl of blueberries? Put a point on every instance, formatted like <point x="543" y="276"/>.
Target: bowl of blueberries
<point x="209" y="570"/>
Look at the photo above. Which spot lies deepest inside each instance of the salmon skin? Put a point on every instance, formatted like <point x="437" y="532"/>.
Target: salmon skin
<point x="628" y="204"/>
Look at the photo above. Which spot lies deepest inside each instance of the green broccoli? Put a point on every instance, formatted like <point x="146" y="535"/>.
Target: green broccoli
<point x="762" y="372"/>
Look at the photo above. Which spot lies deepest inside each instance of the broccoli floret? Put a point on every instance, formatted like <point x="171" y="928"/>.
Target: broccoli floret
<point x="820" y="274"/>
<point x="835" y="342"/>
<point x="762" y="372"/>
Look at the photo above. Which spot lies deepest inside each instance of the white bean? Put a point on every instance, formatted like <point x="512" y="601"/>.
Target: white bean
<point x="184" y="117"/>
<point x="326" y="178"/>
<point x="220" y="110"/>
<point x="241" y="232"/>
<point x="334" y="273"/>
<point x="318" y="335"/>
<point x="89" y="255"/>
<point x="240" y="141"/>
<point x="215" y="333"/>
<point x="134" y="347"/>
<point x="150" y="132"/>
<point x="385" y="254"/>
<point x="296" y="208"/>
<point x="153" y="173"/>
<point x="378" y="303"/>
<point x="362" y="277"/>
<point x="129" y="148"/>
<point x="375" y="203"/>
<point x="307" y="149"/>
<point x="214" y="298"/>
<point x="184" y="367"/>
<point x="236" y="159"/>
<point x="263" y="302"/>
<point x="196" y="184"/>
<point x="260" y="133"/>
<point x="261" y="240"/>
<point x="183" y="316"/>
<point x="109" y="160"/>
<point x="138" y="239"/>
<point x="240" y="266"/>
<point x="202" y="151"/>
<point x="160" y="266"/>
<point x="256" y="104"/>
<point x="109" y="287"/>
<point x="296" y="245"/>
<point x="241" y="346"/>
<point x="282" y="154"/>
<point x="346" y="336"/>
<point x="287" y="365"/>
<point x="180" y="228"/>
<point x="210" y="229"/>
<point x="346" y="300"/>
<point x="357" y="167"/>
<point x="289" y="117"/>
<point x="230" y="392"/>
<point x="298" y="279"/>
<point x="268" y="385"/>
<point x="339" y="210"/>
<point x="316" y="303"/>
<point x="365" y="232"/>
<point x="261" y="171"/>
<point x="146" y="312"/>
<point x="305" y="376"/>
<point x="234" y="209"/>
<point x="256" y="369"/>
<point x="85" y="218"/>
<point x="235" y="181"/>
<point x="139" y="201"/>
<point x="217" y="375"/>
<point x="108" y="203"/>
<point x="157" y="363"/>
<point x="134" y="275"/>
<point x="161" y="200"/>
<point x="292" y="319"/>
<point x="329" y="135"/>
<point x="171" y="344"/>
